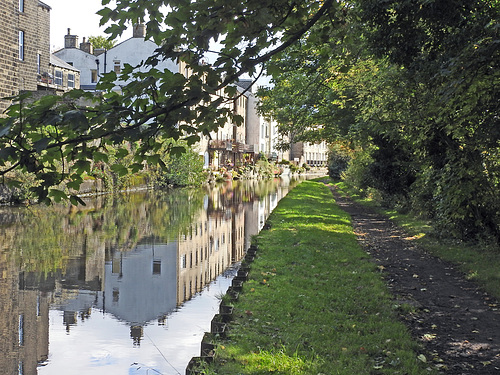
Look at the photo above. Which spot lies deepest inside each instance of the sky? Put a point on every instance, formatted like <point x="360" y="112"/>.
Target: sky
<point x="78" y="15"/>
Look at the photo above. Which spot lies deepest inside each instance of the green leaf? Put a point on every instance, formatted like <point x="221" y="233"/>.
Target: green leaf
<point x="53" y="119"/>
<point x="57" y="195"/>
<point x="121" y="153"/>
<point x="8" y="152"/>
<point x="119" y="169"/>
<point x="48" y="101"/>
<point x="177" y="150"/>
<point x="230" y="90"/>
<point x="76" y="200"/>
<point x="136" y="167"/>
<point x="41" y="144"/>
<point x="76" y="119"/>
<point x="100" y="156"/>
<point x="5" y="130"/>
<point x="74" y="184"/>
<point x="82" y="166"/>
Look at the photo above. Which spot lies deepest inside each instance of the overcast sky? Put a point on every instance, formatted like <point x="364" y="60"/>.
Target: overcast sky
<point x="78" y="15"/>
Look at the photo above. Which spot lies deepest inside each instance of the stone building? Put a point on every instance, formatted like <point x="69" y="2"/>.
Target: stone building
<point x="261" y="131"/>
<point x="59" y="78"/>
<point x="24" y="327"/>
<point x="313" y="154"/>
<point x="25" y="60"/>
<point x="24" y="46"/>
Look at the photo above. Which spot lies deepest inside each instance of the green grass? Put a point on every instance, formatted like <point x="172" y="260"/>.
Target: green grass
<point x="479" y="262"/>
<point x="314" y="302"/>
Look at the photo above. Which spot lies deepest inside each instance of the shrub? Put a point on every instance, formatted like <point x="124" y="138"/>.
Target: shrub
<point x="357" y="173"/>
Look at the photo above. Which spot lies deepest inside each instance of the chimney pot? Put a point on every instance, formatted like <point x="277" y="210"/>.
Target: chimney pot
<point x="139" y="30"/>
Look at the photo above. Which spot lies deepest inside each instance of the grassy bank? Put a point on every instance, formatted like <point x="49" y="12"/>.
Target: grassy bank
<point x="314" y="303"/>
<point x="479" y="262"/>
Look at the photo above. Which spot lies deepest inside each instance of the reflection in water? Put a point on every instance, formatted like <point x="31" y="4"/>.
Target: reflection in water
<point x="114" y="287"/>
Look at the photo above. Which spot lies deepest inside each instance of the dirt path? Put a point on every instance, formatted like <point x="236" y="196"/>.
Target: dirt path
<point x="458" y="324"/>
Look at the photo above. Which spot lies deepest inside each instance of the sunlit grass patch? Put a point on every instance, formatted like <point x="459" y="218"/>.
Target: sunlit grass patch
<point x="276" y="360"/>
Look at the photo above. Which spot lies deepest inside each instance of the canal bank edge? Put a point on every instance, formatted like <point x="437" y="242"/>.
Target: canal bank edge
<point x="219" y="323"/>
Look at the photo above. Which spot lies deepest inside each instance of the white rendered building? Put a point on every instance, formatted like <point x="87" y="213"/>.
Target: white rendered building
<point x="92" y="63"/>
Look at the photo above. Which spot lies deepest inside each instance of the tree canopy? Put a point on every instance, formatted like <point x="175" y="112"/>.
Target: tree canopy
<point x="100" y="41"/>
<point x="414" y="82"/>
<point x="57" y="138"/>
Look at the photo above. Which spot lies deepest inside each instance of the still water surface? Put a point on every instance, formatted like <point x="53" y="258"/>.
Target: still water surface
<point x="125" y="285"/>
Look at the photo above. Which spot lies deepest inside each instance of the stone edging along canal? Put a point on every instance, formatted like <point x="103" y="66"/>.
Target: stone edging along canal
<point x="219" y="324"/>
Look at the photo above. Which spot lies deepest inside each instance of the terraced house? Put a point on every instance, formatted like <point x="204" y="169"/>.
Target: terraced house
<point x="25" y="59"/>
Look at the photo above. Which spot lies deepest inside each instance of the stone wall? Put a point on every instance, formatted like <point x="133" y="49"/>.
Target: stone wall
<point x="8" y="50"/>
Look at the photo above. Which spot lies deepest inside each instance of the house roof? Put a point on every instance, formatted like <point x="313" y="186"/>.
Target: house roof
<point x="56" y="61"/>
<point x="43" y="5"/>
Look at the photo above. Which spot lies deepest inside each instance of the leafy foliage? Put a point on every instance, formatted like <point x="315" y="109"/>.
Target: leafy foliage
<point x="100" y="41"/>
<point x="184" y="169"/>
<point x="56" y="138"/>
<point x="413" y="83"/>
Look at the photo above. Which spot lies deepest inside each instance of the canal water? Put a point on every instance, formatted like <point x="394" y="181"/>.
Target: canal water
<point x="124" y="285"/>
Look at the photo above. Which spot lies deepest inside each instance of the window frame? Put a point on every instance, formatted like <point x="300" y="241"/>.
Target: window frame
<point x="117" y="66"/>
<point x="56" y="78"/>
<point x="21" y="42"/>
<point x="71" y="80"/>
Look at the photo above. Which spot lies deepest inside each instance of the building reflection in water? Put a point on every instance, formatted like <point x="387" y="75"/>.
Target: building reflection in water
<point x="138" y="279"/>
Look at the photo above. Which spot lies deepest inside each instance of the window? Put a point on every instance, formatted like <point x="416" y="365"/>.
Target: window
<point x="71" y="80"/>
<point x="93" y="75"/>
<point x="21" y="329"/>
<point x="21" y="5"/>
<point x="38" y="63"/>
<point x="156" y="267"/>
<point x="116" y="266"/>
<point x="117" y="67"/>
<point x="21" y="45"/>
<point x="59" y="78"/>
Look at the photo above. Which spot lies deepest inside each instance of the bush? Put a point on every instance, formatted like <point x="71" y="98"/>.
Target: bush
<point x="185" y="169"/>
<point x="337" y="164"/>
<point x="357" y="172"/>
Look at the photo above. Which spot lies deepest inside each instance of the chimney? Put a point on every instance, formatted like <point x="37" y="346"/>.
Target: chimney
<point x="139" y="30"/>
<point x="70" y="41"/>
<point x="87" y="46"/>
<point x="99" y="51"/>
